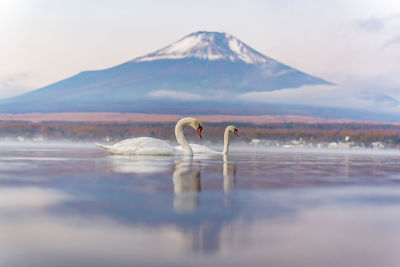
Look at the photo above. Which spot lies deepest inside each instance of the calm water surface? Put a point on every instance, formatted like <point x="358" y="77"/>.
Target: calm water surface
<point x="75" y="205"/>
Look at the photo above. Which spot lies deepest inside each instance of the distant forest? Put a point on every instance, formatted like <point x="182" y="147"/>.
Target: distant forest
<point x="112" y="132"/>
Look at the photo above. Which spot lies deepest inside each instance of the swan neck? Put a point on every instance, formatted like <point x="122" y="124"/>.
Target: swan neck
<point x="181" y="139"/>
<point x="226" y="141"/>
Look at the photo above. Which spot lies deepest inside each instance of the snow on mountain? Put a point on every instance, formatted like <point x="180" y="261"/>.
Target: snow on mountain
<point x="209" y="46"/>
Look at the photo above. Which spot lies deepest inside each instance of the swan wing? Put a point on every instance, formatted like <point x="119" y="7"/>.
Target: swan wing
<point x="142" y="146"/>
<point x="138" y="142"/>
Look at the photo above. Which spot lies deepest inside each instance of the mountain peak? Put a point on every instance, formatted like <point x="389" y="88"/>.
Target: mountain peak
<point x="208" y="46"/>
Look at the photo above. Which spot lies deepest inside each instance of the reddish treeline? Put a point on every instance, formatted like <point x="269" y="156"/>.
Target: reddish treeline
<point x="315" y="133"/>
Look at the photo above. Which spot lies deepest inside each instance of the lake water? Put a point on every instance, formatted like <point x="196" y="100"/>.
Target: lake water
<point x="75" y="205"/>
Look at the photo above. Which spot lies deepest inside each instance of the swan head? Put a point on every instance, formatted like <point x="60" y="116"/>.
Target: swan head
<point x="196" y="124"/>
<point x="232" y="129"/>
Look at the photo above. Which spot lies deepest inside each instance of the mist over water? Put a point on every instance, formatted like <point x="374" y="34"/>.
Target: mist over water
<point x="74" y="204"/>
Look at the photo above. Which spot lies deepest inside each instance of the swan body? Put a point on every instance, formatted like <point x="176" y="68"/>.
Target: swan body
<point x="201" y="149"/>
<point x="154" y="146"/>
<point x="141" y="146"/>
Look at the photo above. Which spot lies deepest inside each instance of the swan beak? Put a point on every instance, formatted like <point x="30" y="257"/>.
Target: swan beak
<point x="236" y="132"/>
<point x="199" y="129"/>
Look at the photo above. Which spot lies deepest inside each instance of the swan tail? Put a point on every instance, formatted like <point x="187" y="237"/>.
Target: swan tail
<point x="108" y="148"/>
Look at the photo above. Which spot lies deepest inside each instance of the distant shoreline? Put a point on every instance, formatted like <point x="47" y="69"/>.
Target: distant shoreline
<point x="255" y="130"/>
<point x="154" y="118"/>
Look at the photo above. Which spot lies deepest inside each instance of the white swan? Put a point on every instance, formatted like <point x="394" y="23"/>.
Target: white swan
<point x="201" y="149"/>
<point x="153" y="146"/>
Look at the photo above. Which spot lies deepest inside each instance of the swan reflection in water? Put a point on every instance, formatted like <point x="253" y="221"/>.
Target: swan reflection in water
<point x="229" y="173"/>
<point x="187" y="184"/>
<point x="140" y="164"/>
<point x="186" y="176"/>
<point x="200" y="235"/>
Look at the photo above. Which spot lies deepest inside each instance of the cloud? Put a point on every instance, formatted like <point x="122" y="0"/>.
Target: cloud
<point x="328" y="96"/>
<point x="179" y="95"/>
<point x="387" y="26"/>
<point x="371" y="24"/>
<point x="394" y="41"/>
<point x="12" y="85"/>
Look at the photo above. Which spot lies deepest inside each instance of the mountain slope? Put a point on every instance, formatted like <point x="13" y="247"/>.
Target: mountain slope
<point x="201" y="69"/>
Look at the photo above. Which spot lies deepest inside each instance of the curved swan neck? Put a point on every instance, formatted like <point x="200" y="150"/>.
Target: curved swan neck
<point x="180" y="137"/>
<point x="226" y="141"/>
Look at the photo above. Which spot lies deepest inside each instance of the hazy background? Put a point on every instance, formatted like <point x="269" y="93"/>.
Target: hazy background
<point x="354" y="44"/>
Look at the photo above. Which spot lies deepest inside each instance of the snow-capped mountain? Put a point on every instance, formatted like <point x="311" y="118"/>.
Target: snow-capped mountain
<point x="204" y="72"/>
<point x="210" y="46"/>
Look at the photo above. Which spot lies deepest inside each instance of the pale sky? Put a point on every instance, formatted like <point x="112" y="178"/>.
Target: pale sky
<point x="353" y="43"/>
